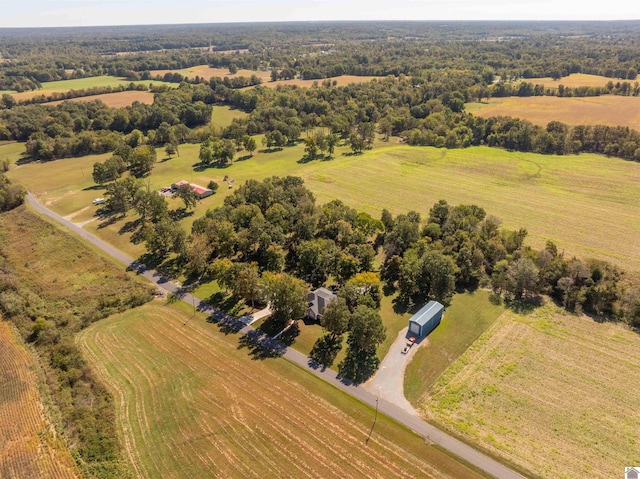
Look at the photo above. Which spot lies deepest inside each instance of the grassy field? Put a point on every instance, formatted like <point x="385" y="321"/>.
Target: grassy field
<point x="221" y="116"/>
<point x="573" y="80"/>
<point x="28" y="444"/>
<point x="116" y="100"/>
<point x="586" y="203"/>
<point x="611" y="110"/>
<point x="82" y="84"/>
<point x="192" y="403"/>
<point x="468" y="316"/>
<point x="554" y="393"/>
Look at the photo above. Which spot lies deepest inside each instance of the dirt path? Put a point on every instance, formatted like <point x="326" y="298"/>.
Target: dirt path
<point x="388" y="383"/>
<point x="412" y="421"/>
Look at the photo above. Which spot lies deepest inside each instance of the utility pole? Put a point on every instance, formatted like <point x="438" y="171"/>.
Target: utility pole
<point x="375" y="419"/>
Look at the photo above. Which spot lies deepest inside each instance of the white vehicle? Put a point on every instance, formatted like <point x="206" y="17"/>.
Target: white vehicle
<point x="98" y="201"/>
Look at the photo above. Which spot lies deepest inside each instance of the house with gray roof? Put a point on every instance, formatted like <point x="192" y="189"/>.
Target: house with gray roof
<point x="318" y="300"/>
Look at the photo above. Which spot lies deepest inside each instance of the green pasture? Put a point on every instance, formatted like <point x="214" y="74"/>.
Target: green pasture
<point x="94" y="82"/>
<point x="588" y="204"/>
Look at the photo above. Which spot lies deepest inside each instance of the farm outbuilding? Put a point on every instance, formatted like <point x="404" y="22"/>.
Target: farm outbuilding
<point x="201" y="191"/>
<point x="426" y="320"/>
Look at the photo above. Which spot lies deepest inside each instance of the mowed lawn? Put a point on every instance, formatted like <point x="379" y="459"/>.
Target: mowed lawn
<point x="552" y="392"/>
<point x="611" y="110"/>
<point x="115" y="100"/>
<point x="192" y="403"/>
<point x="468" y="316"/>
<point x="588" y="204"/>
<point x="83" y="84"/>
<point x="29" y="447"/>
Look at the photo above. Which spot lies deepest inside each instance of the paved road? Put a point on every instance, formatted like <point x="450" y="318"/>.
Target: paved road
<point x="411" y="421"/>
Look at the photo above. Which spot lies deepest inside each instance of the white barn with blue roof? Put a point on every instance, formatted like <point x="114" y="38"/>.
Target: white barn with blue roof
<point x="426" y="320"/>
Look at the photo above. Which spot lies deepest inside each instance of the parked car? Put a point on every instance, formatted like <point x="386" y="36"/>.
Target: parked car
<point x="99" y="201"/>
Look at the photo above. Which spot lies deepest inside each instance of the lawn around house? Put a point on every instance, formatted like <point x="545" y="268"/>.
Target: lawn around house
<point x="464" y="321"/>
<point x="549" y="391"/>
<point x="190" y="400"/>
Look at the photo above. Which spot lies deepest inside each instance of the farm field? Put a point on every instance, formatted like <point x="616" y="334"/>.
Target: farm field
<point x="468" y="316"/>
<point x="586" y="203"/>
<point x="116" y="100"/>
<point x="192" y="403"/>
<point x="574" y="80"/>
<point x="548" y="391"/>
<point x="82" y="84"/>
<point x="611" y="110"/>
<point x="340" y="81"/>
<point x="28" y="443"/>
<point x="207" y="72"/>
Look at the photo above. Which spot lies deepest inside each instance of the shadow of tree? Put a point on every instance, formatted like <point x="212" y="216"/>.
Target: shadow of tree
<point x="261" y="347"/>
<point x="325" y="350"/>
<point x="94" y="188"/>
<point x="523" y="305"/>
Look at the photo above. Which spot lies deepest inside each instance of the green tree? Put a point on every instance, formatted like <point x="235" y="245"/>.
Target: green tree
<point x="249" y="144"/>
<point x="151" y="206"/>
<point x="287" y="295"/>
<point x="121" y="195"/>
<point x="187" y="195"/>
<point x="164" y="237"/>
<point x="247" y="282"/>
<point x="311" y="147"/>
<point x="335" y="317"/>
<point x="522" y="276"/>
<point x="142" y="160"/>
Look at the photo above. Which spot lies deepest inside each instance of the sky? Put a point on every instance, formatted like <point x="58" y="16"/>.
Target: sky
<point x="57" y="13"/>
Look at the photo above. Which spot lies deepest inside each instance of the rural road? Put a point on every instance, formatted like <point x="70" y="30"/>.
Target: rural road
<point x="412" y="421"/>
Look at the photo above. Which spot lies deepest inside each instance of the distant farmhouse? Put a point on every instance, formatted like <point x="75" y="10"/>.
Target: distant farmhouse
<point x="426" y="320"/>
<point x="201" y="191"/>
<point x="318" y="300"/>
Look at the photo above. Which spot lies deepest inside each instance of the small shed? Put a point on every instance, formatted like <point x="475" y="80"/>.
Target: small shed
<point x="426" y="320"/>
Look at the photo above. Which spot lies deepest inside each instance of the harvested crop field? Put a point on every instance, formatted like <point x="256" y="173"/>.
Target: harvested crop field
<point x="552" y="392"/>
<point x="192" y="403"/>
<point x="207" y="72"/>
<point x="116" y="100"/>
<point x="573" y="80"/>
<point x="611" y="110"/>
<point x="28" y="444"/>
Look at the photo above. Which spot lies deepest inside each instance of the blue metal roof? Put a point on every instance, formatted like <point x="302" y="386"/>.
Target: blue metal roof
<point x="427" y="312"/>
